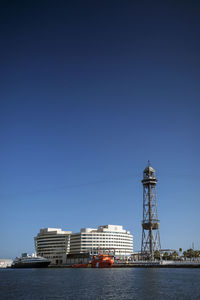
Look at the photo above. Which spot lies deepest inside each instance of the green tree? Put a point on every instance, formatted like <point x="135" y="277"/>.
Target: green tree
<point x="190" y="253"/>
<point x="165" y="256"/>
<point x="174" y="255"/>
<point x="196" y="253"/>
<point x="157" y="254"/>
<point x="185" y="254"/>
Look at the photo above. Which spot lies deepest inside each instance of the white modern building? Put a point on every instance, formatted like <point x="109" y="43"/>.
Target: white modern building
<point x="112" y="239"/>
<point x="54" y="244"/>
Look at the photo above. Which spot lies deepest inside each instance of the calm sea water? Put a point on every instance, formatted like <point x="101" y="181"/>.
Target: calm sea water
<point x="125" y="283"/>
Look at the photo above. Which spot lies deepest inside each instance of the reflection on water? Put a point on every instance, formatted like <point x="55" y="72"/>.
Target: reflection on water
<point x="127" y="283"/>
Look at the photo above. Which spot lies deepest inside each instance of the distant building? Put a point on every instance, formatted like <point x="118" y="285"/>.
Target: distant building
<point x="111" y="239"/>
<point x="54" y="244"/>
<point x="5" y="262"/>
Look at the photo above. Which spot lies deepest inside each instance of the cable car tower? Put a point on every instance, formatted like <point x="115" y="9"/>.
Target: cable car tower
<point x="150" y="223"/>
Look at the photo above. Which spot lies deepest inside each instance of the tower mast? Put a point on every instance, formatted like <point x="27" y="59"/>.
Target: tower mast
<point x="150" y="223"/>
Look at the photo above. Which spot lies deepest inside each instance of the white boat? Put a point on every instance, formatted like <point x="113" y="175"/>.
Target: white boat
<point x="30" y="261"/>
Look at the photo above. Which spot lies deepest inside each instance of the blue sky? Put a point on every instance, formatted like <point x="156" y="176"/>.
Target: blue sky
<point x="91" y="90"/>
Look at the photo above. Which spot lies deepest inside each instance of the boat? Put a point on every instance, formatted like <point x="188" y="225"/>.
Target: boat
<point x="100" y="261"/>
<point x="30" y="261"/>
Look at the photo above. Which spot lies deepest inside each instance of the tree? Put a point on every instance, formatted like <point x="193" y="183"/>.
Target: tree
<point x="165" y="256"/>
<point x="190" y="253"/>
<point x="157" y="255"/>
<point x="174" y="255"/>
<point x="196" y="253"/>
<point x="185" y="254"/>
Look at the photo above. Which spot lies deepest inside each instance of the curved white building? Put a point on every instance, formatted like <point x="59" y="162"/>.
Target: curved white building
<point x="53" y="243"/>
<point x="112" y="239"/>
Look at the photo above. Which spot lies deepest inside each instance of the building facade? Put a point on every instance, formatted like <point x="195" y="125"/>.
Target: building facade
<point x="54" y="244"/>
<point x="111" y="239"/>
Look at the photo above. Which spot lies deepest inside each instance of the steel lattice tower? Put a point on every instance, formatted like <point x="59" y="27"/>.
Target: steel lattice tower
<point x="150" y="223"/>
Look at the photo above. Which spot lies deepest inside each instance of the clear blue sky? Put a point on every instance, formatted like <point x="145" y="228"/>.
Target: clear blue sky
<point x="90" y="90"/>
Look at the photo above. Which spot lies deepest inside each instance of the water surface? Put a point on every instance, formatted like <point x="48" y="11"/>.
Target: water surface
<point x="123" y="283"/>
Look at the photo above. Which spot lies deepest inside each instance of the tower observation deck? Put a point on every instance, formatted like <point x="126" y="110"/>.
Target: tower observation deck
<point x="150" y="223"/>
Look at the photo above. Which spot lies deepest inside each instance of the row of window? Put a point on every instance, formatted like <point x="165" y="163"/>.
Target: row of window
<point x="52" y="247"/>
<point x="105" y="242"/>
<point x="52" y="239"/>
<point x="101" y="242"/>
<point x="52" y="236"/>
<point x="49" y="253"/>
<point x="100" y="234"/>
<point x="54" y="256"/>
<point x="52" y="242"/>
<point x="105" y="233"/>
<point x="125" y="249"/>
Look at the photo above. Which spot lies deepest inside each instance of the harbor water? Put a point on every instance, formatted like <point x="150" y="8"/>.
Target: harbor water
<point x="123" y="283"/>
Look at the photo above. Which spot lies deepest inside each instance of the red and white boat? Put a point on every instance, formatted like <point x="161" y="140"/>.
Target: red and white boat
<point x="100" y="261"/>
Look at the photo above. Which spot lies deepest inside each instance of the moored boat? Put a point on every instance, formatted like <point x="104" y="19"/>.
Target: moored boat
<point x="30" y="261"/>
<point x="100" y="261"/>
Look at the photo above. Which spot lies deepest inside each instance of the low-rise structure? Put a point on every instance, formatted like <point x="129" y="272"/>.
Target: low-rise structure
<point x="54" y="244"/>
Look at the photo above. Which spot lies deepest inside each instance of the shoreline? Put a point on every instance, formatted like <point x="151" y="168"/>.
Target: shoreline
<point x="196" y="265"/>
